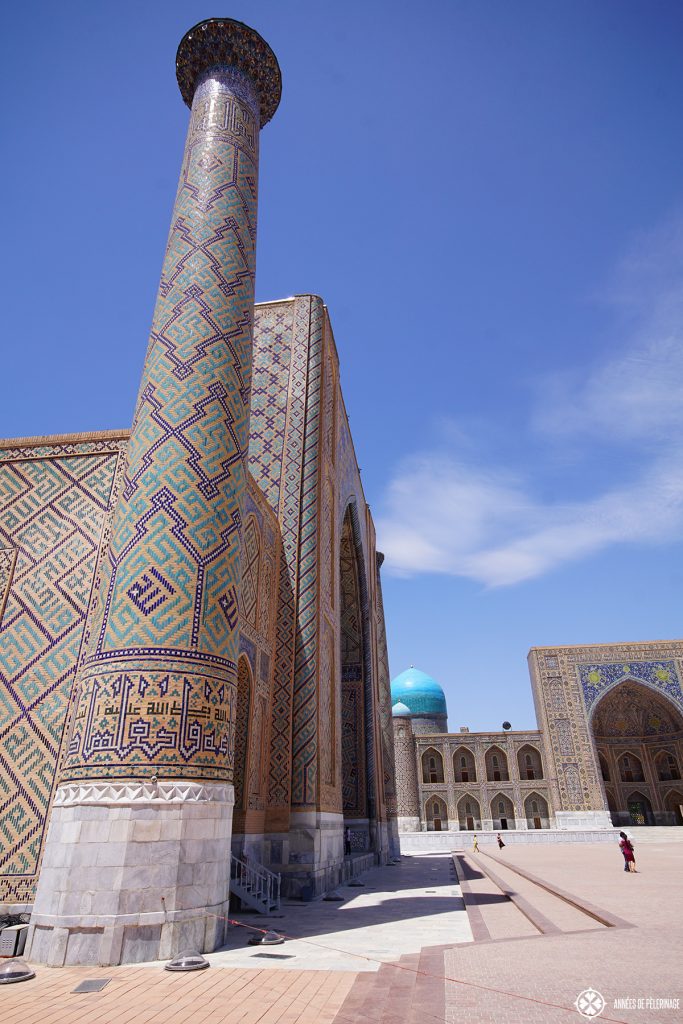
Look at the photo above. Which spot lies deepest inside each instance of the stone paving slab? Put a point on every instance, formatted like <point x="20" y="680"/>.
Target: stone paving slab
<point x="402" y="912"/>
<point x="141" y="996"/>
<point x="399" y="910"/>
<point x="536" y="980"/>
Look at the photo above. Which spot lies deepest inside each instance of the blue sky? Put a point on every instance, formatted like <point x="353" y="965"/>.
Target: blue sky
<point x="489" y="198"/>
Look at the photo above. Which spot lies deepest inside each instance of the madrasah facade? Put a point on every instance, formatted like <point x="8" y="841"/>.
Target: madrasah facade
<point x="607" y="752"/>
<point x="192" y="641"/>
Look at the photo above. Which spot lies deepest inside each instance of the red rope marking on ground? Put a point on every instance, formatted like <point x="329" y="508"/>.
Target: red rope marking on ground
<point x="415" y="970"/>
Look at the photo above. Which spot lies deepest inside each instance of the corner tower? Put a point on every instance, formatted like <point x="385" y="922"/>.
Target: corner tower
<point x="136" y="863"/>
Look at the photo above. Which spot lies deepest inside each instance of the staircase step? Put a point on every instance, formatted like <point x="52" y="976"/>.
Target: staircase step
<point x="402" y="979"/>
<point x="430" y="986"/>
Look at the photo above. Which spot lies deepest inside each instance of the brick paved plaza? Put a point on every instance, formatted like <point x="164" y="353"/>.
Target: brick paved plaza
<point x="382" y="954"/>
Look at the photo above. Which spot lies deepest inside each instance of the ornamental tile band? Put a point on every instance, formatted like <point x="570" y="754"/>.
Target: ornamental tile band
<point x="597" y="679"/>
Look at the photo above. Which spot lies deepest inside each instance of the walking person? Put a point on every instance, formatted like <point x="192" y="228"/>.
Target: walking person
<point x="626" y="847"/>
<point x="347" y="841"/>
<point x="475" y="843"/>
<point x="501" y="844"/>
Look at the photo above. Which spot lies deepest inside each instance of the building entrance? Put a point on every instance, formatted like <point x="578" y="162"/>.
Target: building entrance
<point x="638" y="735"/>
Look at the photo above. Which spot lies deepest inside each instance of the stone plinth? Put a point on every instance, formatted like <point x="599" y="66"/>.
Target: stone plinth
<point x="133" y="873"/>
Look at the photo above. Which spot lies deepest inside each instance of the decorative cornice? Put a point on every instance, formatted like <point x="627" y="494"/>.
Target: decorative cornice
<point x="223" y="42"/>
<point x="74" y="794"/>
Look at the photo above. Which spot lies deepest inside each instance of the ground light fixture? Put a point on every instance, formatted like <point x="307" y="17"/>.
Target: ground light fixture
<point x="15" y="969"/>
<point x="267" y="939"/>
<point x="188" y="960"/>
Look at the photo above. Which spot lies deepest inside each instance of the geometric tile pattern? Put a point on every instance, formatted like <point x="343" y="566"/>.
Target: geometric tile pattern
<point x="352" y="710"/>
<point x="384" y="700"/>
<point x="660" y="675"/>
<point x="305" y="697"/>
<point x="157" y="689"/>
<point x="52" y="514"/>
<point x="631" y="710"/>
<point x="251" y="545"/>
<point x="289" y="491"/>
<point x="269" y="394"/>
<point x="352" y="732"/>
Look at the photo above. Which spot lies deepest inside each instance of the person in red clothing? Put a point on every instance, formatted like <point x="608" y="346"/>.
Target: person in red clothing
<point x="626" y="847"/>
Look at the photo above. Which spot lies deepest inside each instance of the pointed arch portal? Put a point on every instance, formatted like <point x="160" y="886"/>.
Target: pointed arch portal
<point x="638" y="735"/>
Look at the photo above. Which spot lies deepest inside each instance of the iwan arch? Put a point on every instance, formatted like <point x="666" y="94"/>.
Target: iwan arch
<point x="608" y="750"/>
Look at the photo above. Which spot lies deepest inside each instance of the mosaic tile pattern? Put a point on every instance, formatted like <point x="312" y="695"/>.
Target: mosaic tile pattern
<point x="289" y="461"/>
<point x="304" y="697"/>
<point x="596" y="680"/>
<point x="630" y="710"/>
<point x="353" y="702"/>
<point x="273" y="354"/>
<point x="54" y="509"/>
<point x="157" y="690"/>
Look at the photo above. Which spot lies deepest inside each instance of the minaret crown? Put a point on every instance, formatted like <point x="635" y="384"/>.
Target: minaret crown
<point x="223" y="42"/>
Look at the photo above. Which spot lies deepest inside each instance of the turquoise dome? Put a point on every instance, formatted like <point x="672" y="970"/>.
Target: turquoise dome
<point x="418" y="692"/>
<point x="400" y="710"/>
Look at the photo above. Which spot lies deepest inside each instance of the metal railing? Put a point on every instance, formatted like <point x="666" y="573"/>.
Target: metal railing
<point x="256" y="881"/>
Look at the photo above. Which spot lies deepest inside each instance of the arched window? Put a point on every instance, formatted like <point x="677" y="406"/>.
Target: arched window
<point x="536" y="811"/>
<point x="630" y="768"/>
<point x="432" y="766"/>
<point x="529" y="762"/>
<point x="496" y="765"/>
<point x="463" y="766"/>
<point x="667" y="767"/>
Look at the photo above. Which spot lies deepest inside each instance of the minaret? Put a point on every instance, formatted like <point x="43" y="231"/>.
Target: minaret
<point x="137" y="859"/>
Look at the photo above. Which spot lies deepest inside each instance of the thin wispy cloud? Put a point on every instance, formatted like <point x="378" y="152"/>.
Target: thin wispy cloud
<point x="486" y="524"/>
<point x="637" y="394"/>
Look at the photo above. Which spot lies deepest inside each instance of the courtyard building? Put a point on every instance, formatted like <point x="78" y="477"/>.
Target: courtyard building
<point x="608" y="751"/>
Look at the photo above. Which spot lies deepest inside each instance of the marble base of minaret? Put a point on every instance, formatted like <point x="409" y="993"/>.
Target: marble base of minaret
<point x="133" y="872"/>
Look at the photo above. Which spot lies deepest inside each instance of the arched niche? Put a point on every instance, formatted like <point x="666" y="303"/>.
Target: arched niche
<point x="496" y="765"/>
<point x="502" y="812"/>
<point x="536" y="811"/>
<point x="673" y="804"/>
<point x="638" y="731"/>
<point x="639" y="808"/>
<point x="667" y="766"/>
<point x="529" y="762"/>
<point x="469" y="813"/>
<point x="464" y="767"/>
<point x="432" y="766"/>
<point x="436" y="814"/>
